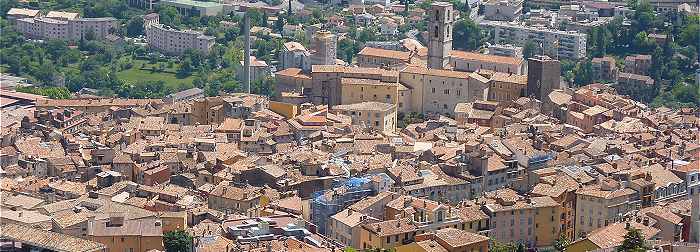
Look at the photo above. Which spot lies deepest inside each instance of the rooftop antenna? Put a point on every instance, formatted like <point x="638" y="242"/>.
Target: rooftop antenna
<point x="246" y="49"/>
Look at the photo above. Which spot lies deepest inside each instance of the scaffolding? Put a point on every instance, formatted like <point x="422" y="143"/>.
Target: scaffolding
<point x="342" y="194"/>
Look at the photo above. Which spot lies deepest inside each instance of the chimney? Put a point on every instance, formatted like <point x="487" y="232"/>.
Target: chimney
<point x="246" y="50"/>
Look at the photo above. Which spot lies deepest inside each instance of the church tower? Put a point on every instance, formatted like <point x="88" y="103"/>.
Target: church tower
<point x="440" y="21"/>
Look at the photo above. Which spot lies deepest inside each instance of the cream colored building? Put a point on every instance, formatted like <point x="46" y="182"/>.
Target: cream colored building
<point x="377" y="57"/>
<point x="359" y="90"/>
<point x="19" y="13"/>
<point x="555" y="43"/>
<point x="377" y="115"/>
<point x="258" y="69"/>
<point x="66" y="29"/>
<point x="505" y="87"/>
<point x="176" y="42"/>
<point x="472" y="62"/>
<point x="326" y="85"/>
<point x="601" y="205"/>
<point x="439" y="91"/>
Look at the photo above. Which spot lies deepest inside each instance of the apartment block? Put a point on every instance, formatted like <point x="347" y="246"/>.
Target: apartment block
<point x="555" y="43"/>
<point x="601" y="204"/>
<point x="20" y="13"/>
<point x="66" y="29"/>
<point x="407" y="218"/>
<point x="195" y="8"/>
<point x="506" y="50"/>
<point x="118" y="233"/>
<point x="176" y="42"/>
<point x="448" y="239"/>
<point x="531" y="221"/>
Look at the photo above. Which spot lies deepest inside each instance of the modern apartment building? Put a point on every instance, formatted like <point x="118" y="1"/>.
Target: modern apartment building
<point x="507" y="50"/>
<point x="554" y="43"/>
<point x="66" y="29"/>
<point x="19" y="13"/>
<point x="176" y="42"/>
<point x="195" y="8"/>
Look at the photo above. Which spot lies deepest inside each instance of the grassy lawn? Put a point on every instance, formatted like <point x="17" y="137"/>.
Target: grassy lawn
<point x="137" y="74"/>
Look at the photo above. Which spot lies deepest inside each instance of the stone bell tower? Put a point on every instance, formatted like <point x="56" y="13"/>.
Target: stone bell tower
<point x="440" y="21"/>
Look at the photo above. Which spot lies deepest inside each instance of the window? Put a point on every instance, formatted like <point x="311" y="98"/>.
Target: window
<point x="433" y="90"/>
<point x="388" y="239"/>
<point x="446" y="91"/>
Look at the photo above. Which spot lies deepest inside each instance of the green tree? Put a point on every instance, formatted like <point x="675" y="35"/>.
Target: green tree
<point x="561" y="243"/>
<point x="634" y="241"/>
<point x="51" y="92"/>
<point x="502" y="247"/>
<point x="134" y="27"/>
<point x="177" y="241"/>
<point x="521" y="248"/>
<point x="530" y="49"/>
<point x="467" y="35"/>
<point x="169" y="16"/>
